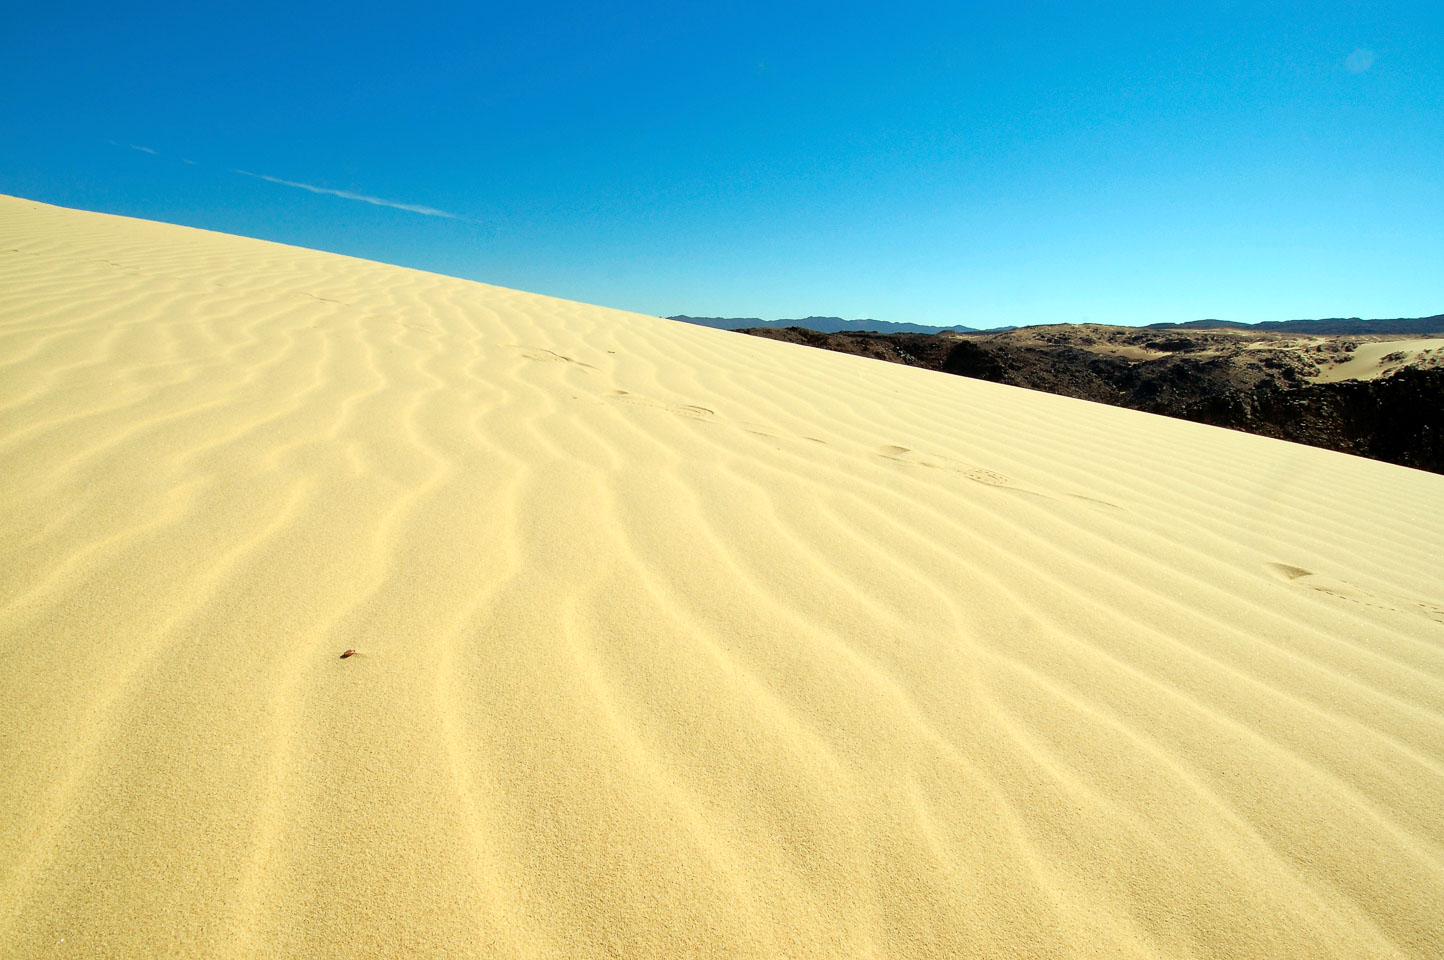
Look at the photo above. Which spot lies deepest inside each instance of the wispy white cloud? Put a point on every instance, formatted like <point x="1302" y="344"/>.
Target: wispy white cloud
<point x="343" y="194"/>
<point x="134" y="147"/>
<point x="348" y="195"/>
<point x="1359" y="61"/>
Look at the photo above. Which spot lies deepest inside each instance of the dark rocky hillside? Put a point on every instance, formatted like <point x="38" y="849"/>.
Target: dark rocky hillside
<point x="1291" y="387"/>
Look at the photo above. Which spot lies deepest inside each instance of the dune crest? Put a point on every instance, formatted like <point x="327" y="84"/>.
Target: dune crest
<point x="668" y="641"/>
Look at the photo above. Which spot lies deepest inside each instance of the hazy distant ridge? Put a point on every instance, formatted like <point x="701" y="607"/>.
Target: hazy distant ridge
<point x="821" y="325"/>
<point x="1343" y="326"/>
<point x="1340" y="326"/>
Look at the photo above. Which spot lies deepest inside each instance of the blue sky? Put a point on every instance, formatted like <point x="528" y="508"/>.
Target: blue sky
<point x="982" y="164"/>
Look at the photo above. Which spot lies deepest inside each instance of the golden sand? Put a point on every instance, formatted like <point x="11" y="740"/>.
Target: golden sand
<point x="1372" y="359"/>
<point x="670" y="641"/>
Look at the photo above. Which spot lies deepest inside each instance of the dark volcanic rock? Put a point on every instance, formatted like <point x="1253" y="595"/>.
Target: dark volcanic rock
<point x="1258" y="383"/>
<point x="1396" y="419"/>
<point x="968" y="359"/>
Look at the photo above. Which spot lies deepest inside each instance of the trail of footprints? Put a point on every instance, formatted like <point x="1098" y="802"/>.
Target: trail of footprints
<point x="693" y="411"/>
<point x="991" y="478"/>
<point x="894" y="452"/>
<point x="548" y="356"/>
<point x="982" y="475"/>
<point x="1344" y="590"/>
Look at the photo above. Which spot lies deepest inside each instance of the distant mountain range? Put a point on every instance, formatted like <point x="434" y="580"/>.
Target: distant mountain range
<point x="823" y="325"/>
<point x="1351" y="326"/>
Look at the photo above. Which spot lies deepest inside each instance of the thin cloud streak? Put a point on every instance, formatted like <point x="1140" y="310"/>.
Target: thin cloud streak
<point x="348" y="195"/>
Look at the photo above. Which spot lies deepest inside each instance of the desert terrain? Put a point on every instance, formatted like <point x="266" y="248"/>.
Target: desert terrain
<point x="669" y="642"/>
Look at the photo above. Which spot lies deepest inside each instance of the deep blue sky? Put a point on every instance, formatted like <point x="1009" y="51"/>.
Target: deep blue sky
<point x="982" y="164"/>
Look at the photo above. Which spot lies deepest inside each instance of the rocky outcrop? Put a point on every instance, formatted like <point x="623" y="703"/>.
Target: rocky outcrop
<point x="1261" y="384"/>
<point x="1396" y="418"/>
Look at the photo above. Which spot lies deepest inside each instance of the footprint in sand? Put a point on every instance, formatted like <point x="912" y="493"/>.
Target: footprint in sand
<point x="1344" y="590"/>
<point x="548" y="356"/>
<point x="1287" y="571"/>
<point x="680" y="409"/>
<point x="990" y="478"/>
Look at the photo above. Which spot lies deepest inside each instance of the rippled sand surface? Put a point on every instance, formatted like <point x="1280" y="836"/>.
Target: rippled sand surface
<point x="670" y="641"/>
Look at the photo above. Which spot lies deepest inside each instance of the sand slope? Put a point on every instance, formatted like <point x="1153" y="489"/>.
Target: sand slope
<point x="1373" y="358"/>
<point x="673" y="642"/>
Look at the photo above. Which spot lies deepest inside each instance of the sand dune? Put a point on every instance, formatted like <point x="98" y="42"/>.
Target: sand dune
<point x="671" y="641"/>
<point x="1376" y="358"/>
